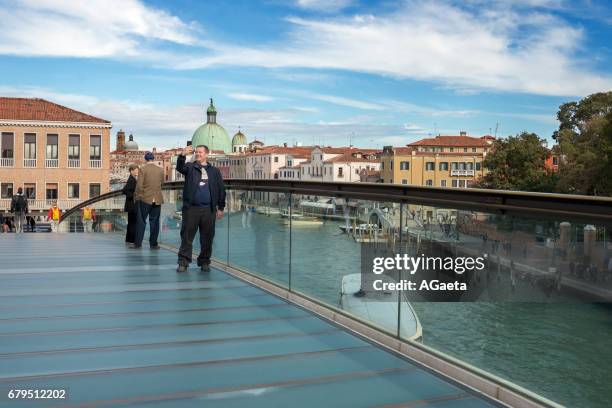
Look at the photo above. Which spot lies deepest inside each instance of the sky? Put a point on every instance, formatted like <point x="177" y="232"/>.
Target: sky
<point x="325" y="72"/>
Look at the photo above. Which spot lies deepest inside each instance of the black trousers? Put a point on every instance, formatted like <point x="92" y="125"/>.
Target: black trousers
<point x="130" y="234"/>
<point x="152" y="212"/>
<point x="196" y="219"/>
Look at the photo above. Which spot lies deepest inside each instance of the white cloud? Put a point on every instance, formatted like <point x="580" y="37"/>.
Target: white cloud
<point x="488" y="47"/>
<point x="338" y="100"/>
<point x="323" y="5"/>
<point x="94" y="28"/>
<point x="250" y="97"/>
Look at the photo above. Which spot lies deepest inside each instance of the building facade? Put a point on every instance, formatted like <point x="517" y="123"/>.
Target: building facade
<point x="442" y="161"/>
<point x="53" y="152"/>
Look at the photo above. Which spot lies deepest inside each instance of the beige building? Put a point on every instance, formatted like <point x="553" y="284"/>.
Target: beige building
<point x="442" y="161"/>
<point x="52" y="152"/>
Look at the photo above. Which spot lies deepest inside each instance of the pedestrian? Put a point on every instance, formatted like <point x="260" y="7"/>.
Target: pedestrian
<point x="53" y="216"/>
<point x="149" y="198"/>
<point x="3" y="224"/>
<point x="32" y="224"/>
<point x="203" y="203"/>
<point x="19" y="207"/>
<point x="130" y="207"/>
<point x="88" y="216"/>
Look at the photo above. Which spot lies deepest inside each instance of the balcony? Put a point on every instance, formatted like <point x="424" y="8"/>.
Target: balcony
<point x="277" y="319"/>
<point x="29" y="162"/>
<point x="95" y="164"/>
<point x="9" y="162"/>
<point x="462" y="172"/>
<point x="52" y="163"/>
<point x="74" y="163"/>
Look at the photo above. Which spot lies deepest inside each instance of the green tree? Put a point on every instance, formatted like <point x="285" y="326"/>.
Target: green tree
<point x="518" y="163"/>
<point x="585" y="141"/>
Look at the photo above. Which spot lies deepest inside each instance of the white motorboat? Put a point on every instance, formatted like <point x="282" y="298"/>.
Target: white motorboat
<point x="377" y="311"/>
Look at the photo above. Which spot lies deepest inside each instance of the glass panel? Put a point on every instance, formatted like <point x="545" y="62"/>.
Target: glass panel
<point x="7" y="145"/>
<point x="29" y="146"/>
<point x="6" y="190"/>
<point x="328" y="235"/>
<point x="170" y="227"/>
<point x="94" y="190"/>
<point x="30" y="190"/>
<point x="259" y="233"/>
<point x="95" y="147"/>
<point x="73" y="190"/>
<point x="74" y="151"/>
<point x="51" y="192"/>
<point x="538" y="295"/>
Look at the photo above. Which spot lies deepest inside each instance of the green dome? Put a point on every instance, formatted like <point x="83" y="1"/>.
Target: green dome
<point x="212" y="135"/>
<point x="239" y="139"/>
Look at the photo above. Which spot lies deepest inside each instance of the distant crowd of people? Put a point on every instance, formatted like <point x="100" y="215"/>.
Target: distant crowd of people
<point x="19" y="219"/>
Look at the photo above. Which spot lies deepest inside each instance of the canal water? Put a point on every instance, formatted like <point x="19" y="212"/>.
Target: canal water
<point x="562" y="351"/>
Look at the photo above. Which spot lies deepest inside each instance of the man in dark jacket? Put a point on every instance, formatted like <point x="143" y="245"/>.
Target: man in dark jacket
<point x="203" y="202"/>
<point x="19" y="207"/>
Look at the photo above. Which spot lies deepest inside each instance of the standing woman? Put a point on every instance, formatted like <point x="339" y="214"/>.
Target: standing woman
<point x="130" y="207"/>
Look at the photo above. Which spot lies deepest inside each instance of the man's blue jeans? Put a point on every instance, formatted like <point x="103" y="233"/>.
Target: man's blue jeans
<point x="144" y="211"/>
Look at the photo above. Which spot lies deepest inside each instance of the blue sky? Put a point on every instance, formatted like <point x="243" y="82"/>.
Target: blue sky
<point x="330" y="72"/>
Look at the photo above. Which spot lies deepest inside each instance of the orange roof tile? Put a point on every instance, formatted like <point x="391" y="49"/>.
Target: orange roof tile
<point x="42" y="110"/>
<point x="454" y="141"/>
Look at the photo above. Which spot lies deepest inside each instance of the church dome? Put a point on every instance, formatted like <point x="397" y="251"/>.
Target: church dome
<point x="211" y="133"/>
<point x="239" y="139"/>
<point x="131" y="145"/>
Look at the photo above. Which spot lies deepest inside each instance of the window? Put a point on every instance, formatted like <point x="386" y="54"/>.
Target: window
<point x="52" y="147"/>
<point x="404" y="181"/>
<point x="404" y="165"/>
<point x="30" y="190"/>
<point x="455" y="183"/>
<point x="465" y="149"/>
<point x="430" y="166"/>
<point x="340" y="174"/>
<point x="442" y="183"/>
<point x="443" y="166"/>
<point x="6" y="190"/>
<point x="94" y="190"/>
<point x="74" y="147"/>
<point x="477" y="165"/>
<point x="7" y="145"/>
<point x="473" y="150"/>
<point x="470" y="166"/>
<point x="51" y="192"/>
<point x="452" y="149"/>
<point x="276" y="159"/>
<point x="95" y="147"/>
<point x="462" y="166"/>
<point x="429" y="182"/>
<point x="382" y="165"/>
<point x="391" y="164"/>
<point x="73" y="190"/>
<point x="555" y="161"/>
<point x="29" y="146"/>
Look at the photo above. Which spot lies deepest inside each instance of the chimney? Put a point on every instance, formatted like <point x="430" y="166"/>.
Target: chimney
<point x="285" y="144"/>
<point x="462" y="133"/>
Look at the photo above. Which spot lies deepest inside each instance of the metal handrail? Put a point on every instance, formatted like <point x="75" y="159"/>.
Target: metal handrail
<point x="589" y="209"/>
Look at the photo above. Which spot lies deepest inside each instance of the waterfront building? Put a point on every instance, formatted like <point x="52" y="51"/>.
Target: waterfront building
<point x="441" y="161"/>
<point x="53" y="152"/>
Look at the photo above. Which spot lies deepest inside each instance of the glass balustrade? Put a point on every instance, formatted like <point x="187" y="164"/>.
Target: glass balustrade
<point x="537" y="314"/>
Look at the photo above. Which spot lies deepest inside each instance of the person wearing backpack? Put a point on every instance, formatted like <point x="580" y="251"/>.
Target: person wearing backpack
<point x="19" y="207"/>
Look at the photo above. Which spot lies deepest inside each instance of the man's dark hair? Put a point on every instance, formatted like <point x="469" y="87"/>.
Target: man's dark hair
<point x="20" y="190"/>
<point x="204" y="147"/>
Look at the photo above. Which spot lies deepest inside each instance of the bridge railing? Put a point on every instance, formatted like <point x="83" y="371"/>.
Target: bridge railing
<point x="547" y="278"/>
